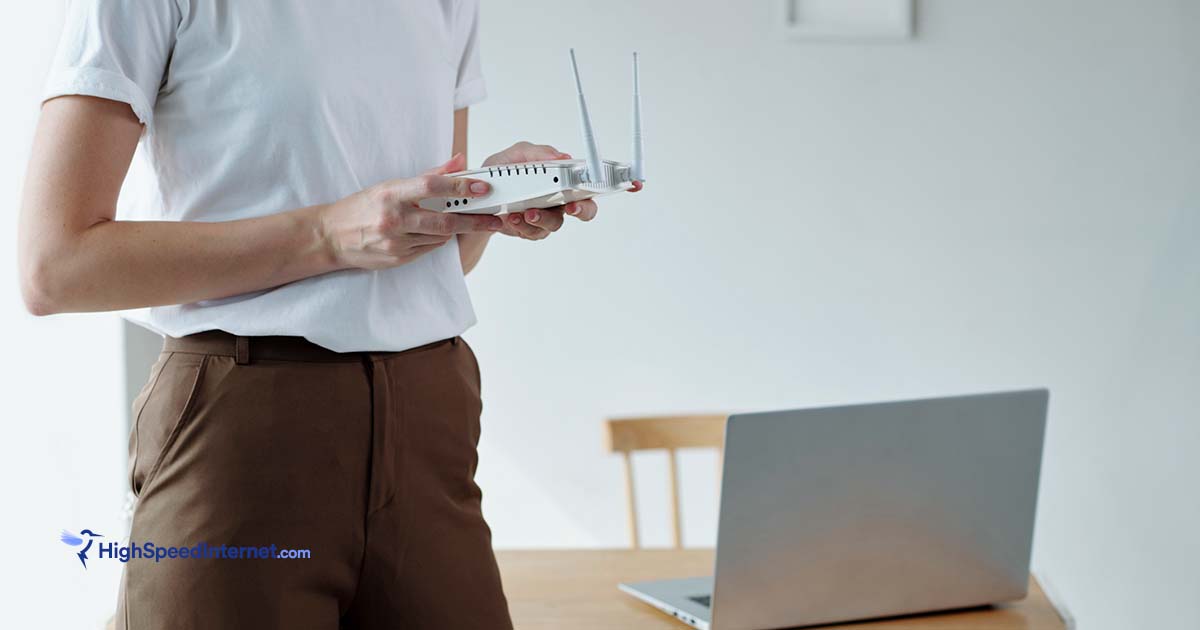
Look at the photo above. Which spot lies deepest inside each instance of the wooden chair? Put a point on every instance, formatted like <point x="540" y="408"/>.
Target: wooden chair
<point x="626" y="435"/>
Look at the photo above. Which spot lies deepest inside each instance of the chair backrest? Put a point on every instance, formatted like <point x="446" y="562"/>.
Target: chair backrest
<point x="669" y="433"/>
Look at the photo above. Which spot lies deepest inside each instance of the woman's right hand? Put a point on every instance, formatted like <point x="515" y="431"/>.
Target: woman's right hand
<point x="383" y="226"/>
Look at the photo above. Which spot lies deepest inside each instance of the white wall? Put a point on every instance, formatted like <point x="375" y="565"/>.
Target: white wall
<point x="62" y="404"/>
<point x="1011" y="199"/>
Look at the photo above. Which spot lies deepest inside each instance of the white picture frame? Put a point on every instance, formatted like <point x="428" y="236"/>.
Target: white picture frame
<point x="847" y="20"/>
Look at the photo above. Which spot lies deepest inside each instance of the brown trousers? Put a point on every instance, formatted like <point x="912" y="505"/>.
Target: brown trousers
<point x="365" y="460"/>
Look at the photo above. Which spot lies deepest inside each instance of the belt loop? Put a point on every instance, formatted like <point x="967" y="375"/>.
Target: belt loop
<point x="242" y="350"/>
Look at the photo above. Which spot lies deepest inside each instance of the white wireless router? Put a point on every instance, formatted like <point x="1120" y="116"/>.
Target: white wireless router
<point x="517" y="187"/>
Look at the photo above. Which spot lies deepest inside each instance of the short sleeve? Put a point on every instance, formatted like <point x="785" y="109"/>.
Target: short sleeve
<point x="115" y="49"/>
<point x="470" y="88"/>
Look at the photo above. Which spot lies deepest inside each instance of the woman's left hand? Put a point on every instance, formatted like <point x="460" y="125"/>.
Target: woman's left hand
<point x="535" y="224"/>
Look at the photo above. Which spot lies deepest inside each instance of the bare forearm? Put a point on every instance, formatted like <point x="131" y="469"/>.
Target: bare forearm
<point x="128" y="264"/>
<point x="74" y="256"/>
<point x="470" y="246"/>
<point x="470" y="249"/>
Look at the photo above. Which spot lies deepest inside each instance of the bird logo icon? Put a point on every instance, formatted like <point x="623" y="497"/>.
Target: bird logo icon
<point x="74" y="541"/>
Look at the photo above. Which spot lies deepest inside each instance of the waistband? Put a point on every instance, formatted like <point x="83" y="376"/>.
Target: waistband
<point x="247" y="349"/>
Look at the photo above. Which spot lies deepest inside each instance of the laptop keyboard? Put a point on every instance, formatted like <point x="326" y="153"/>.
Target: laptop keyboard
<point x="703" y="600"/>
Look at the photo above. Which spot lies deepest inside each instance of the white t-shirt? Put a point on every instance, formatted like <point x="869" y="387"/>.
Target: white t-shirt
<point x="252" y="108"/>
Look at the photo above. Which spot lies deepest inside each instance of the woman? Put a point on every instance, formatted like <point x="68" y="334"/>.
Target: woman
<point x="313" y="393"/>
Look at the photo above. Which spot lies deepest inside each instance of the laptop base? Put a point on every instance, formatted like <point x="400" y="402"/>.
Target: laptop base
<point x="680" y="598"/>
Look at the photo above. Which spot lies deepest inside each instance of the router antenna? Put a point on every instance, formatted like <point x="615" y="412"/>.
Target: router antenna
<point x="595" y="175"/>
<point x="639" y="147"/>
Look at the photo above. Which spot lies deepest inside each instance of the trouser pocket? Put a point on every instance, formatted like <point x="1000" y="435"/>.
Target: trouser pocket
<point x="162" y="414"/>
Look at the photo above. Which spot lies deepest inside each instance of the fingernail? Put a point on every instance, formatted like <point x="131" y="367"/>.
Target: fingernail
<point x="572" y="209"/>
<point x="479" y="187"/>
<point x="534" y="216"/>
<point x="514" y="218"/>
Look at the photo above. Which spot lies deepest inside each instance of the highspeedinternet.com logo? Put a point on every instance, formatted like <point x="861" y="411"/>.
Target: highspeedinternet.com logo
<point x="151" y="551"/>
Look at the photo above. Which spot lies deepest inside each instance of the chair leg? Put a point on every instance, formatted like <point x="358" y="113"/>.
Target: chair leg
<point x="631" y="502"/>
<point x="720" y="470"/>
<point x="672" y="475"/>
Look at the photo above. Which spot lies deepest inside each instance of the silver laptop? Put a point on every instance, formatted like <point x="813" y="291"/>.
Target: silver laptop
<point x="863" y="511"/>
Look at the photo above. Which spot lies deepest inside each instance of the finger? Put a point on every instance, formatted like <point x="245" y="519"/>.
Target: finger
<point x="528" y="152"/>
<point x="583" y="210"/>
<point x="456" y="163"/>
<point x="428" y="239"/>
<point x="421" y="221"/>
<point x="428" y="186"/>
<point x="550" y="153"/>
<point x="549" y="219"/>
<point x="532" y="152"/>
<point x="516" y="222"/>
<point x="421" y="250"/>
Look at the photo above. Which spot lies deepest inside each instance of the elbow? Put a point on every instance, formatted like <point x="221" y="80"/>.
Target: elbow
<point x="54" y="275"/>
<point x="40" y="308"/>
<point x="39" y="288"/>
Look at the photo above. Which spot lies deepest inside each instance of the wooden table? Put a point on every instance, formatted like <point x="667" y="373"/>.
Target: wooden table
<point x="578" y="589"/>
